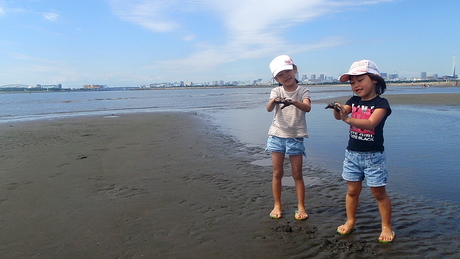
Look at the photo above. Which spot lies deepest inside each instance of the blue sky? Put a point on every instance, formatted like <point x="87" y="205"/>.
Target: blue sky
<point x="138" y="42"/>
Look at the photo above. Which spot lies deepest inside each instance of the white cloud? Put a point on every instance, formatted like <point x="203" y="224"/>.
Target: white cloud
<point x="252" y="28"/>
<point x="153" y="15"/>
<point x="20" y="56"/>
<point x="51" y="16"/>
<point x="5" y="9"/>
<point x="189" y="37"/>
<point x="9" y="43"/>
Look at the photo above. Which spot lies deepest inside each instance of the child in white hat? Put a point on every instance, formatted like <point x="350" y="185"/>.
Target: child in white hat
<point x="365" y="154"/>
<point x="287" y="132"/>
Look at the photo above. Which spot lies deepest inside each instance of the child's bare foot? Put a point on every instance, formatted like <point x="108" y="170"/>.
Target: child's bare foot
<point x="300" y="214"/>
<point x="387" y="235"/>
<point x="346" y="228"/>
<point x="276" y="213"/>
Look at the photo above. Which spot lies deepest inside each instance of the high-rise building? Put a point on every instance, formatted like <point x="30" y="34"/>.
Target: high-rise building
<point x="454" y="61"/>
<point x="423" y="75"/>
<point x="393" y="76"/>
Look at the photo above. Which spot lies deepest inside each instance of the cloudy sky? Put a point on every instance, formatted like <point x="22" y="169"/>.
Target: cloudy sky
<point x="138" y="42"/>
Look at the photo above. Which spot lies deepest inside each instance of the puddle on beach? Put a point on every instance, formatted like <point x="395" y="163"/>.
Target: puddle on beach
<point x="288" y="181"/>
<point x="262" y="162"/>
<point x="308" y="181"/>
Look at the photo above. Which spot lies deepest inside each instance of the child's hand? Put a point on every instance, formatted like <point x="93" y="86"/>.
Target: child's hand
<point x="286" y="102"/>
<point x="342" y="111"/>
<point x="333" y="106"/>
<point x="278" y="100"/>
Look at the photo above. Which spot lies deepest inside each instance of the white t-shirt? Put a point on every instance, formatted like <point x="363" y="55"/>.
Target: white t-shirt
<point x="289" y="122"/>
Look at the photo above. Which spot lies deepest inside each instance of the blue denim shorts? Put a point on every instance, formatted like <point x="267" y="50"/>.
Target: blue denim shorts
<point x="371" y="166"/>
<point x="288" y="146"/>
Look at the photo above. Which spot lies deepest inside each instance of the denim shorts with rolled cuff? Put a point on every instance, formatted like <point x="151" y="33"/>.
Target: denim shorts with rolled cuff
<point x="371" y="166"/>
<point x="288" y="146"/>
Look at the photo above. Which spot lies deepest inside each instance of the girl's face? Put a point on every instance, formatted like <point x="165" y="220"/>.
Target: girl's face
<point x="286" y="77"/>
<point x="363" y="86"/>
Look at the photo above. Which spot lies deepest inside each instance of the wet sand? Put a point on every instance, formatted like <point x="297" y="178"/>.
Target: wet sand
<point x="170" y="185"/>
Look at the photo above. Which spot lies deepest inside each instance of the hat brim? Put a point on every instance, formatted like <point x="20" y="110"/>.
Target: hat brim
<point x="346" y="77"/>
<point x="282" y="68"/>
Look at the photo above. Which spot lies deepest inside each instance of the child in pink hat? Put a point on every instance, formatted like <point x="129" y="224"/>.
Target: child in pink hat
<point x="365" y="154"/>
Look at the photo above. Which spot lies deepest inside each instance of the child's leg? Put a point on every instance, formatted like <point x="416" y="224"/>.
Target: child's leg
<point x="351" y="203"/>
<point x="296" y="164"/>
<point x="384" y="203"/>
<point x="278" y="172"/>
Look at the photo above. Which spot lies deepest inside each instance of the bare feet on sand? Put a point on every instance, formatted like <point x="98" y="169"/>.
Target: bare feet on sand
<point x="276" y="213"/>
<point x="300" y="214"/>
<point x="346" y="228"/>
<point x="387" y="235"/>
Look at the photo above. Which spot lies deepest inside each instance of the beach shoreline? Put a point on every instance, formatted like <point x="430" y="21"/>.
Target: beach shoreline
<point x="172" y="185"/>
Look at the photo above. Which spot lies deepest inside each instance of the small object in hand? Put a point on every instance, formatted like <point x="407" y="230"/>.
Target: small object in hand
<point x="285" y="102"/>
<point x="334" y="106"/>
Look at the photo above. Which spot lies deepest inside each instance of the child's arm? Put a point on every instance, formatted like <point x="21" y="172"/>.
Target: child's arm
<point x="271" y="104"/>
<point x="305" y="105"/>
<point x="369" y="124"/>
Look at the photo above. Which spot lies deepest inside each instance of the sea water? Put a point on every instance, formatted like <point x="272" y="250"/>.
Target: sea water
<point x="421" y="142"/>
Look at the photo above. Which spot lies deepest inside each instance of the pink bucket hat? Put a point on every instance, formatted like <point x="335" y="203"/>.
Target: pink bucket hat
<point x="360" y="67"/>
<point x="280" y="63"/>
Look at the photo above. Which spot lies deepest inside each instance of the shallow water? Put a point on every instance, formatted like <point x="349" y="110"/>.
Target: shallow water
<point x="421" y="142"/>
<point x="422" y="155"/>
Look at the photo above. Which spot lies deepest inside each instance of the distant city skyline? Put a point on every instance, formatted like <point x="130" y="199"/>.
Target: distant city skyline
<point x="138" y="42"/>
<point x="304" y="78"/>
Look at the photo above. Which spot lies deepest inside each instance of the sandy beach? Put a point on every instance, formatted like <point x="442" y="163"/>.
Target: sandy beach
<point x="170" y="185"/>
